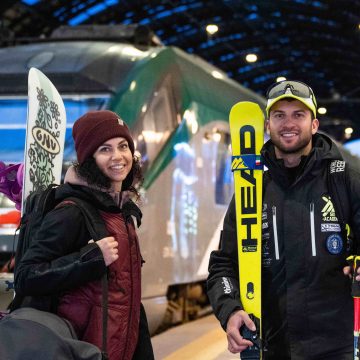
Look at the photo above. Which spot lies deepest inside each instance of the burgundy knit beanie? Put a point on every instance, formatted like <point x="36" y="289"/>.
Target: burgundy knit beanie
<point x="94" y="128"/>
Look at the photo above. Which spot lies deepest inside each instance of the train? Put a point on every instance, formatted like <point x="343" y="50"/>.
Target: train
<point x="177" y="107"/>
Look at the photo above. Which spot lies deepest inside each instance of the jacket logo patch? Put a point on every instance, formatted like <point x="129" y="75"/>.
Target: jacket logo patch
<point x="334" y="244"/>
<point x="227" y="285"/>
<point x="264" y="217"/>
<point x="337" y="166"/>
<point x="328" y="211"/>
<point x="330" y="228"/>
<point x="266" y="255"/>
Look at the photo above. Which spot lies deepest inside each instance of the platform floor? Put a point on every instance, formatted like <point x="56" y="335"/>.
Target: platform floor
<point x="202" y="339"/>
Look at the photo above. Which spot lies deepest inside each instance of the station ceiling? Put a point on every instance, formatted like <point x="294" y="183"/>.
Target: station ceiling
<point x="315" y="41"/>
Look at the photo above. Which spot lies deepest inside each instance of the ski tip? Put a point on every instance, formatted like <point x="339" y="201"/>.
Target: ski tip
<point x="246" y="111"/>
<point x="36" y="73"/>
<point x="37" y="78"/>
<point x="247" y="106"/>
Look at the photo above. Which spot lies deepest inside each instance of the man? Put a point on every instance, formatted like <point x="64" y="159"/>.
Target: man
<point x="307" y="308"/>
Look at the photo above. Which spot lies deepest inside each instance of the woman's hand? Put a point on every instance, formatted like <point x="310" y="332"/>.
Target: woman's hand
<point x="109" y="249"/>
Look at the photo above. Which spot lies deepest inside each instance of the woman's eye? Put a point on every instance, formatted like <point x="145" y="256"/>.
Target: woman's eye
<point x="104" y="149"/>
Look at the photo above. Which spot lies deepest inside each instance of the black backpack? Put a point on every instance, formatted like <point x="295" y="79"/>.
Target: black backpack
<point x="37" y="205"/>
<point x="28" y="334"/>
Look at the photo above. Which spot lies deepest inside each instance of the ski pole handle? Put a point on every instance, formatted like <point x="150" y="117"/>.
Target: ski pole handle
<point x="252" y="352"/>
<point x="354" y="262"/>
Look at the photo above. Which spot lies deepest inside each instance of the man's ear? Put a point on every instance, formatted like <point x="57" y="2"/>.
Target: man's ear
<point x="314" y="126"/>
<point x="267" y="126"/>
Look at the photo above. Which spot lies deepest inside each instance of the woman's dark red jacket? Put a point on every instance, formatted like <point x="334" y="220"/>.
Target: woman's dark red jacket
<point x="61" y="272"/>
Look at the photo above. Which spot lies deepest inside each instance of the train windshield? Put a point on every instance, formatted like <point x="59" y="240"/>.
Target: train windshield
<point x="13" y="114"/>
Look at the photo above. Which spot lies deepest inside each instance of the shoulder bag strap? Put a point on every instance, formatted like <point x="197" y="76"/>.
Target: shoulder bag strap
<point x="97" y="229"/>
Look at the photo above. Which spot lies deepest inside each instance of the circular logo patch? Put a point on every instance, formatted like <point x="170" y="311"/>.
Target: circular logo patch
<point x="334" y="244"/>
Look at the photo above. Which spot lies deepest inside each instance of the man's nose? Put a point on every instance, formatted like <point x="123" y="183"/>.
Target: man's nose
<point x="288" y="119"/>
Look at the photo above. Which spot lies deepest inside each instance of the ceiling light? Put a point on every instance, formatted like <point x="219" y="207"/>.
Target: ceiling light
<point x="217" y="74"/>
<point x="132" y="85"/>
<point x="251" y="58"/>
<point x="322" y="110"/>
<point x="348" y="132"/>
<point x="280" y="78"/>
<point x="212" y="29"/>
<point x="217" y="137"/>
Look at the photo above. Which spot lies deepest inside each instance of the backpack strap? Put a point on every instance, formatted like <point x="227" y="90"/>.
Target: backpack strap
<point x="94" y="222"/>
<point x="131" y="209"/>
<point x="97" y="229"/>
<point x="337" y="187"/>
<point x="105" y="296"/>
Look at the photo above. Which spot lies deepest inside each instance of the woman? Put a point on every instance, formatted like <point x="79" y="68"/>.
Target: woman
<point x="61" y="270"/>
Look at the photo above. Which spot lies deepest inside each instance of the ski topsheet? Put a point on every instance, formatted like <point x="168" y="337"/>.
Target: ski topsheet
<point x="247" y="138"/>
<point x="45" y="134"/>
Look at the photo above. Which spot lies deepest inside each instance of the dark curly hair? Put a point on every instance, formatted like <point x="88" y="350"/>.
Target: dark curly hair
<point x="90" y="172"/>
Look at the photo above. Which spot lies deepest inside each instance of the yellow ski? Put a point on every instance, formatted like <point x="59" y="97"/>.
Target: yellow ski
<point x="247" y="138"/>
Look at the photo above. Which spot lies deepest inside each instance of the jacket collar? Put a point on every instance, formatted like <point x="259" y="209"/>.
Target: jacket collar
<point x="323" y="150"/>
<point x="72" y="177"/>
<point x="104" y="200"/>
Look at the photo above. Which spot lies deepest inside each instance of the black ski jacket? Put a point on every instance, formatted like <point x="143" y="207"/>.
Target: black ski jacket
<point x="307" y="308"/>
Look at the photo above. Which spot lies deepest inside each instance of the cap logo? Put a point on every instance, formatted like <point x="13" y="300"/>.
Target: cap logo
<point x="288" y="90"/>
<point x="121" y="122"/>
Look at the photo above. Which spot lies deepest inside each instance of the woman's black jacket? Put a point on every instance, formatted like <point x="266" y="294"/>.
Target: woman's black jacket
<point x="60" y="258"/>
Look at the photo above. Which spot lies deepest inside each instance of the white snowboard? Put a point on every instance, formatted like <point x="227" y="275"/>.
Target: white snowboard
<point x="45" y="134"/>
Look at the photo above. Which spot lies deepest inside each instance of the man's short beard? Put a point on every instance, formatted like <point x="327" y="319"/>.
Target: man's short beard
<point x="303" y="144"/>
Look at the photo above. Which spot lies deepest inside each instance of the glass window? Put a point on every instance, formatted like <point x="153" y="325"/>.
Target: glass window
<point x="224" y="178"/>
<point x="158" y="120"/>
<point x="13" y="115"/>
